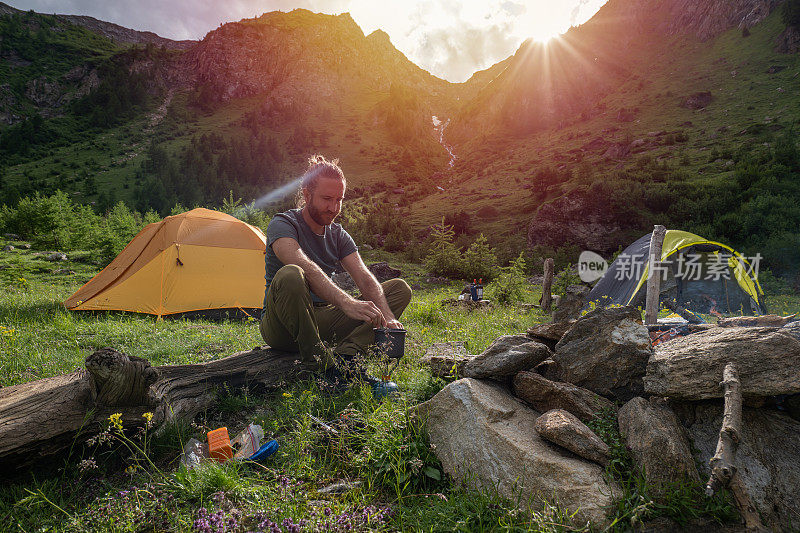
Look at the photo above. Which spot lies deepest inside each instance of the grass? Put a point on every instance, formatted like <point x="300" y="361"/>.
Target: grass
<point x="379" y="456"/>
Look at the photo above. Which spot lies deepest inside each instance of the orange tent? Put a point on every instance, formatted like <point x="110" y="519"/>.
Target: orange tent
<point x="198" y="260"/>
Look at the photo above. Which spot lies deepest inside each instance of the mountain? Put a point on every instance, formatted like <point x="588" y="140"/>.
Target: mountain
<point x="655" y="111"/>
<point x="114" y="32"/>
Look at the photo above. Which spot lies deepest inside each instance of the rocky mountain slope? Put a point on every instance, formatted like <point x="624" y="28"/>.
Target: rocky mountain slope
<point x="643" y="113"/>
<point x="116" y="33"/>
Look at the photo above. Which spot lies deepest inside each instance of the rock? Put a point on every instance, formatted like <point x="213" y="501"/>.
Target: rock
<point x="580" y="219"/>
<point x="443" y="356"/>
<point x="549" y="370"/>
<point x="63" y="272"/>
<point x="690" y="367"/>
<point x="793" y="328"/>
<point x="383" y="272"/>
<point x="698" y="100"/>
<point x="563" y="428"/>
<point x="42" y="92"/>
<point x="25" y="246"/>
<point x="549" y="334"/>
<point x="484" y="437"/>
<point x="56" y="256"/>
<point x="606" y="351"/>
<point x="344" y="281"/>
<point x="625" y="115"/>
<point x="657" y="442"/>
<point x="775" y="68"/>
<point x="506" y="356"/>
<point x="544" y="395"/>
<point x="340" y="487"/>
<point x="617" y="151"/>
<point x="750" y="321"/>
<point x="766" y="457"/>
<point x="8" y="248"/>
<point x="569" y="306"/>
<point x="788" y="42"/>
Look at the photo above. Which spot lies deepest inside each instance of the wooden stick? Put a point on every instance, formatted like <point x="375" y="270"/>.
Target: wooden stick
<point x="723" y="464"/>
<point x="547" y="298"/>
<point x="654" y="275"/>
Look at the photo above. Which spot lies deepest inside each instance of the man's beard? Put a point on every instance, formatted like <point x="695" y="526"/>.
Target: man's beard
<point x="318" y="216"/>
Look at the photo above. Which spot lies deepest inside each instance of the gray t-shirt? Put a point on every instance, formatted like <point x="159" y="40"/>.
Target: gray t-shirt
<point x="325" y="250"/>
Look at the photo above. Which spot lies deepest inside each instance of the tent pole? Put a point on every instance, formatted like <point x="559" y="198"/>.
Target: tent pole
<point x="654" y="274"/>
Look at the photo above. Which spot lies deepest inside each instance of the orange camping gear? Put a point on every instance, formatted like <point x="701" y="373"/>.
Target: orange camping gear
<point x="198" y="260"/>
<point x="219" y="445"/>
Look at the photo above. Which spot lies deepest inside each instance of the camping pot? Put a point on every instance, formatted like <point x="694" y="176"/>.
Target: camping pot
<point x="391" y="341"/>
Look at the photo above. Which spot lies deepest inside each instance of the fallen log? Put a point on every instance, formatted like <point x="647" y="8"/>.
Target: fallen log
<point x="723" y="464"/>
<point x="756" y="321"/>
<point x="45" y="417"/>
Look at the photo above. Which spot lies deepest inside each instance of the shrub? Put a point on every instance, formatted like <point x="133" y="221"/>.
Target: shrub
<point x="510" y="286"/>
<point x="566" y="277"/>
<point x="479" y="261"/>
<point x="444" y="258"/>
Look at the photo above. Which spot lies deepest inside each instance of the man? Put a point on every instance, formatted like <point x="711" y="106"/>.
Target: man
<point x="303" y="309"/>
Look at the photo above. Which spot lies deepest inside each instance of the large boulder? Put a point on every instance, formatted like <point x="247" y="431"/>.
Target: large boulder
<point x="657" y="442"/>
<point x="767" y="457"/>
<point x="578" y="218"/>
<point x="446" y="359"/>
<point x="563" y="428"/>
<point x="690" y="367"/>
<point x="550" y="333"/>
<point x="484" y="437"/>
<point x="606" y="351"/>
<point x="571" y="303"/>
<point x="544" y="395"/>
<point x="506" y="356"/>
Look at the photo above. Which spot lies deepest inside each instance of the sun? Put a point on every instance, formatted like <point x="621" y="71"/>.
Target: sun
<point x="545" y="25"/>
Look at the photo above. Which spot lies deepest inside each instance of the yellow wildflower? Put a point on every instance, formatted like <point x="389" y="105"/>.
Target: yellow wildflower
<point x="287" y="394"/>
<point x="115" y="420"/>
<point x="148" y="416"/>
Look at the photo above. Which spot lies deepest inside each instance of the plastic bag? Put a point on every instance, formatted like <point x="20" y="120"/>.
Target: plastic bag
<point x="194" y="453"/>
<point x="247" y="442"/>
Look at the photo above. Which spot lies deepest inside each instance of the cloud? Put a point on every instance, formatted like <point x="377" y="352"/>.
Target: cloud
<point x="455" y="56"/>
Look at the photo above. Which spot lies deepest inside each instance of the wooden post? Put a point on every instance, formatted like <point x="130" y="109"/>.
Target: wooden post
<point x="723" y="464"/>
<point x="547" y="298"/>
<point x="654" y="275"/>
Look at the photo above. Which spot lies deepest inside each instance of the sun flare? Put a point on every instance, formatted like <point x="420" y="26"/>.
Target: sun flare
<point x="544" y="25"/>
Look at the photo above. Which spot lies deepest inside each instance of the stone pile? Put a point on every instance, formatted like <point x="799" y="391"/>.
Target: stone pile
<point x="517" y="417"/>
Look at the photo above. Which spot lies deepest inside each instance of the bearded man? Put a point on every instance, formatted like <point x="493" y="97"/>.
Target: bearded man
<point x="304" y="311"/>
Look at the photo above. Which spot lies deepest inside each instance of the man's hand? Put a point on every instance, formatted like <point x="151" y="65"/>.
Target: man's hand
<point x="364" y="310"/>
<point x="394" y="324"/>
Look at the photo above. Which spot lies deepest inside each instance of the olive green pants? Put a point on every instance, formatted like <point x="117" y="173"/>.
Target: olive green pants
<point x="293" y="323"/>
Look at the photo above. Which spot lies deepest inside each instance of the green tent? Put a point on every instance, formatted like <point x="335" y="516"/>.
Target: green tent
<point x="698" y="274"/>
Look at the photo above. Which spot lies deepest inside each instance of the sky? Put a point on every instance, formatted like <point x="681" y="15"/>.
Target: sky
<point x="451" y="39"/>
